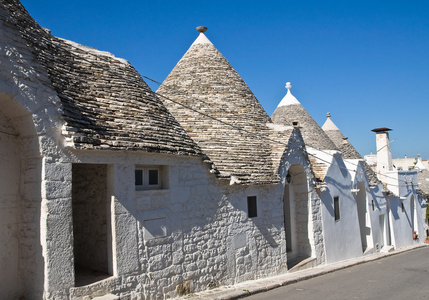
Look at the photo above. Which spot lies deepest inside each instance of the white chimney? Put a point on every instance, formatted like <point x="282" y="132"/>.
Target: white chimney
<point x="384" y="156"/>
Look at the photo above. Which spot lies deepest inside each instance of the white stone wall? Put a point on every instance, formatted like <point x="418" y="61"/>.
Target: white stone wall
<point x="194" y="235"/>
<point x="342" y="237"/>
<point x="33" y="107"/>
<point x="376" y="207"/>
<point x="10" y="208"/>
<point x="402" y="221"/>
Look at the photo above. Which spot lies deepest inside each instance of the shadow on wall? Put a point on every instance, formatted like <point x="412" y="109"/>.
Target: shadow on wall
<point x="373" y="191"/>
<point x="396" y="209"/>
<point x="21" y="260"/>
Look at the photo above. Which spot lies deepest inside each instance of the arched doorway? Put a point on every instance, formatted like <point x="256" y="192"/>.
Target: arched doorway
<point x="21" y="259"/>
<point x="296" y="214"/>
<point x="363" y="216"/>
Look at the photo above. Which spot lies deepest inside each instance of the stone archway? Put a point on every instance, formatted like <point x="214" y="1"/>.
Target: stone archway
<point x="296" y="214"/>
<point x="20" y="200"/>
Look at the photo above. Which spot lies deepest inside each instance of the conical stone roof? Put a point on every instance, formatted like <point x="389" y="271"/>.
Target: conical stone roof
<point x="342" y="143"/>
<point x="347" y="149"/>
<point x="105" y="102"/>
<point x="213" y="103"/>
<point x="290" y="110"/>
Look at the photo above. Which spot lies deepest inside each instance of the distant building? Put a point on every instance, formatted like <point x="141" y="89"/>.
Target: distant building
<point x="404" y="163"/>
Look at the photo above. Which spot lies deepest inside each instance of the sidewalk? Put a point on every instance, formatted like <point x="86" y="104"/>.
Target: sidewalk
<point x="252" y="287"/>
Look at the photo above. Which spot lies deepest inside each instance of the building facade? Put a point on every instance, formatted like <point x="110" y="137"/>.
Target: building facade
<point x="111" y="189"/>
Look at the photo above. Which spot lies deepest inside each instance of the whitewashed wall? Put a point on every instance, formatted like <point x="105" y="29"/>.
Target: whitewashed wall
<point x="376" y="207"/>
<point x="31" y="108"/>
<point x="402" y="221"/>
<point x="191" y="236"/>
<point x="342" y="237"/>
<point x="10" y="208"/>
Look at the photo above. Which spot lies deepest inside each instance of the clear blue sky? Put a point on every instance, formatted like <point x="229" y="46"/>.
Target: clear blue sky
<point x="366" y="62"/>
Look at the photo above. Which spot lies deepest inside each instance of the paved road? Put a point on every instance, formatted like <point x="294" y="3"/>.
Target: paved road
<point x="402" y="276"/>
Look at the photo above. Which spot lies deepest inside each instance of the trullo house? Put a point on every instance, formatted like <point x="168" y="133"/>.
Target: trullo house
<point x="105" y="193"/>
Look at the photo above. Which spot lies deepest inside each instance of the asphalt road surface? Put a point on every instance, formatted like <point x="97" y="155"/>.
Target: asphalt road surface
<point x="401" y="276"/>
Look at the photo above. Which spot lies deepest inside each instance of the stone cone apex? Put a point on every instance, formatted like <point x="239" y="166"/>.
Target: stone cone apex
<point x="201" y="39"/>
<point x="288" y="99"/>
<point x="342" y="142"/>
<point x="329" y="125"/>
<point x="290" y="110"/>
<point x="205" y="81"/>
<point x="419" y="165"/>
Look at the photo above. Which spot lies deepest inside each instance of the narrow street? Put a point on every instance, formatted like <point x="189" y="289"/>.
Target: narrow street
<point x="402" y="276"/>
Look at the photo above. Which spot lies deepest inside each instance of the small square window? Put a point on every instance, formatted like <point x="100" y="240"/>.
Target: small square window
<point x="252" y="209"/>
<point x="337" y="208"/>
<point x="153" y="176"/>
<point x="150" y="177"/>
<point x="139" y="177"/>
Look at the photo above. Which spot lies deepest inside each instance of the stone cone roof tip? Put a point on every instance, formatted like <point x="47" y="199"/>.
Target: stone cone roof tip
<point x="288" y="99"/>
<point x="329" y="125"/>
<point x="201" y="39"/>
<point x="342" y="142"/>
<point x="204" y="80"/>
<point x="419" y="165"/>
<point x="290" y="110"/>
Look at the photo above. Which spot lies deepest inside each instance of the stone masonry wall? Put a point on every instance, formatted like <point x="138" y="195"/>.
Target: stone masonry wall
<point x="27" y="98"/>
<point x="192" y="235"/>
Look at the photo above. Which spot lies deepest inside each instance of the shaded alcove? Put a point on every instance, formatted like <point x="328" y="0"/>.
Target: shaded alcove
<point x="21" y="259"/>
<point x="414" y="216"/>
<point x="92" y="239"/>
<point x="363" y="216"/>
<point x="296" y="214"/>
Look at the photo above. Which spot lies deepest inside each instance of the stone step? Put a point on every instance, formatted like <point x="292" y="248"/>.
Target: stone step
<point x="107" y="297"/>
<point x="301" y="263"/>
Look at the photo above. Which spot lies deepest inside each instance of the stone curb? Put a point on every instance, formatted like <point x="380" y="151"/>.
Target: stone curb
<point x="245" y="289"/>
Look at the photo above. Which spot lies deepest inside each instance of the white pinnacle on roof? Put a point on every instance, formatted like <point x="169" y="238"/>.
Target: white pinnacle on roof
<point x="329" y="125"/>
<point x="201" y="39"/>
<point x="289" y="99"/>
<point x="419" y="165"/>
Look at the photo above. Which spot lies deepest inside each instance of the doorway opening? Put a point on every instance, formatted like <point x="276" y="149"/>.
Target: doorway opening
<point x="363" y="216"/>
<point x="91" y="223"/>
<point x="296" y="216"/>
<point x="414" y="218"/>
<point x="382" y="231"/>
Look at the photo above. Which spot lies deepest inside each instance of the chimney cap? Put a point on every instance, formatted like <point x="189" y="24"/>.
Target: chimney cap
<point x="383" y="129"/>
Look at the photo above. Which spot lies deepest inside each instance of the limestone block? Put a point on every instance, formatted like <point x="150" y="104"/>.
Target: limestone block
<point x="58" y="172"/>
<point x="126" y="244"/>
<point x="56" y="189"/>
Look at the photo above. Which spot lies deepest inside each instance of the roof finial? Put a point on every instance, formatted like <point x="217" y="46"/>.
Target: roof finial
<point x="288" y="85"/>
<point x="201" y="29"/>
<point x="328" y="115"/>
